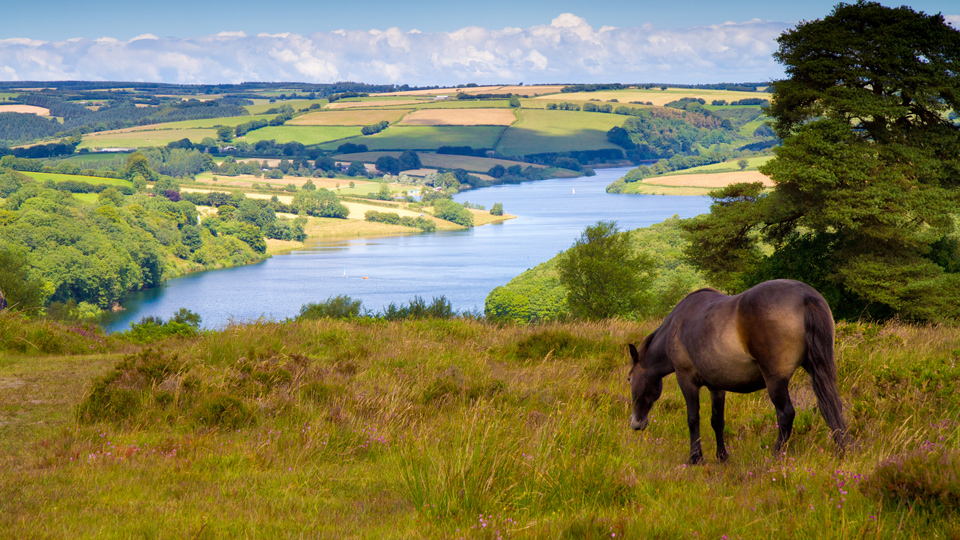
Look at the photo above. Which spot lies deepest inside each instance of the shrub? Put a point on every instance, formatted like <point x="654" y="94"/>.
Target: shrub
<point x="439" y="308"/>
<point x="116" y="397"/>
<point x="335" y="307"/>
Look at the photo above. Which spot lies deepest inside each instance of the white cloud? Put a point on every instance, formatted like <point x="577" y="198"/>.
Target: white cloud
<point x="566" y="50"/>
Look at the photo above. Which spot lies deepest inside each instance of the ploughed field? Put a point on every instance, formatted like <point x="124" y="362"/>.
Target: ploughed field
<point x="453" y="428"/>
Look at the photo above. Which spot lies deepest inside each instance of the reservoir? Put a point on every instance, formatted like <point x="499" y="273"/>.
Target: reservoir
<point x="464" y="266"/>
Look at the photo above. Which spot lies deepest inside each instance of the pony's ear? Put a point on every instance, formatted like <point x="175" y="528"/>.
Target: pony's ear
<point x="634" y="353"/>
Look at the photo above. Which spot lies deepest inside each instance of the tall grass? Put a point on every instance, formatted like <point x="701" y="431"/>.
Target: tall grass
<point x="457" y="428"/>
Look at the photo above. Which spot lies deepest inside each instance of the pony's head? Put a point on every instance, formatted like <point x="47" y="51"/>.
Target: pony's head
<point x="646" y="384"/>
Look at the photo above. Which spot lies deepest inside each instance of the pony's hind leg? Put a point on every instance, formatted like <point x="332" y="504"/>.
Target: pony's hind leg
<point x="718" y="399"/>
<point x="780" y="396"/>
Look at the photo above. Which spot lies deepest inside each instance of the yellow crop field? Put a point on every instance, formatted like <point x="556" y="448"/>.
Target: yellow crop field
<point x="39" y="111"/>
<point x="460" y="117"/>
<point x="654" y="95"/>
<point x="139" y="139"/>
<point x="363" y="117"/>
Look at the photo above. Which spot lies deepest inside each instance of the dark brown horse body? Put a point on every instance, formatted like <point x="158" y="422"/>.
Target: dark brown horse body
<point x="741" y="343"/>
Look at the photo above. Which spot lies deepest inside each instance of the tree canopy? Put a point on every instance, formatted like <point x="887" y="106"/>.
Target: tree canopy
<point x="866" y="180"/>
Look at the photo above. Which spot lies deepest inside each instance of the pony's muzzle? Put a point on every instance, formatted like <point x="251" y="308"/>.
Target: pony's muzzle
<point x="641" y="425"/>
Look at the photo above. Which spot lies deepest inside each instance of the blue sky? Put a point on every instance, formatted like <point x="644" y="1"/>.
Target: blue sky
<point x="418" y="42"/>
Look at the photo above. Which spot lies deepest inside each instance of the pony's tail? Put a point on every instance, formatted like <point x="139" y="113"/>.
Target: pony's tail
<point x="823" y="367"/>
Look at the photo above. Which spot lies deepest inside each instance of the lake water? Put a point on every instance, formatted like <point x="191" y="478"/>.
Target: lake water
<point x="463" y="266"/>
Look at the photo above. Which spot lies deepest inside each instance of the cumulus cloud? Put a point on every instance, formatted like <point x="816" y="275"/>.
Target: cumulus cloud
<point x="567" y="49"/>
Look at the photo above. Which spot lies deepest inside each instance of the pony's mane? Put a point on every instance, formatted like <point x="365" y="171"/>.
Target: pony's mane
<point x="642" y="349"/>
<point x="703" y="290"/>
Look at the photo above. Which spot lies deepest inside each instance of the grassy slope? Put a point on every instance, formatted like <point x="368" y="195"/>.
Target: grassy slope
<point x="433" y="429"/>
<point x="557" y="131"/>
<point x="303" y="134"/>
<point x="95" y="180"/>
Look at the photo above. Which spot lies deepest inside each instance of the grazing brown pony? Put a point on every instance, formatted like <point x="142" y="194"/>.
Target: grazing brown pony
<point x="740" y="343"/>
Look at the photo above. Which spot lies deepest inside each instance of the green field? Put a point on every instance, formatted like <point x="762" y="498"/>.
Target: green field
<point x="302" y="134"/>
<point x="262" y="106"/>
<point x="540" y="131"/>
<point x="95" y="180"/>
<point x="454" y="429"/>
<point x="93" y="159"/>
<point x="428" y="137"/>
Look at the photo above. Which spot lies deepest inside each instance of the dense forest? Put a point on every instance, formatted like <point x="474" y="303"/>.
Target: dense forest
<point x="86" y="255"/>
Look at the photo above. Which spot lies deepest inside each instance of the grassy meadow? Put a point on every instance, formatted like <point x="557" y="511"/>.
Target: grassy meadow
<point x="453" y="429"/>
<point x="303" y="134"/>
<point x="95" y="180"/>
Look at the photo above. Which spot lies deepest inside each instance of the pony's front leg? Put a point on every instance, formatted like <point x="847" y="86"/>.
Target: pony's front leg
<point x="718" y="399"/>
<point x="691" y="394"/>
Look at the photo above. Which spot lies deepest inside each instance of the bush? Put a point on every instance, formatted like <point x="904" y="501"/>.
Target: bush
<point x="439" y="308"/>
<point x="335" y="307"/>
<point x="448" y="210"/>
<point x="184" y="323"/>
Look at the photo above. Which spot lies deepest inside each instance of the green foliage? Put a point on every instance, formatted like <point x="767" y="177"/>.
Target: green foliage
<point x="409" y="160"/>
<point x="438" y="308"/>
<point x="496" y="209"/>
<point x="394" y="218"/>
<point x="184" y="323"/>
<point x="18" y="289"/>
<point x="603" y="276"/>
<point x="388" y="165"/>
<point x="337" y="307"/>
<point x="356" y="168"/>
<point x="137" y="165"/>
<point x="866" y="177"/>
<point x="319" y="203"/>
<point x="449" y="210"/>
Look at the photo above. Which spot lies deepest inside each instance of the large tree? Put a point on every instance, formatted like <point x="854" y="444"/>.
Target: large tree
<point x="867" y="180"/>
